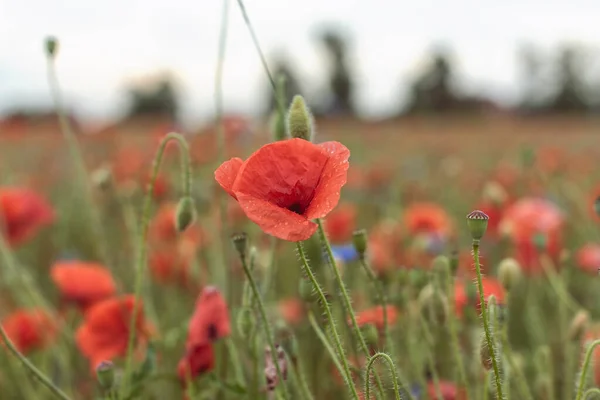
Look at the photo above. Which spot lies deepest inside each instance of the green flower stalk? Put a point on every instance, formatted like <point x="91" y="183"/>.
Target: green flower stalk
<point x="240" y="242"/>
<point x="76" y="155"/>
<point x="584" y="369"/>
<point x="343" y="366"/>
<point x="392" y="368"/>
<point x="346" y="298"/>
<point x="477" y="222"/>
<point x="186" y="178"/>
<point x="39" y="375"/>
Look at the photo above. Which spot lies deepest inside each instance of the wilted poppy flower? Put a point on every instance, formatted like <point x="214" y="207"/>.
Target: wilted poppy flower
<point x="82" y="283"/>
<point x="427" y="218"/>
<point x="340" y="223"/>
<point x="198" y="359"/>
<point x="22" y="214"/>
<point x="374" y="316"/>
<point x="30" y="330"/>
<point x="588" y="258"/>
<point x="286" y="184"/>
<point x="210" y="320"/>
<point x="528" y="218"/>
<point x="104" y="333"/>
<point x="491" y="286"/>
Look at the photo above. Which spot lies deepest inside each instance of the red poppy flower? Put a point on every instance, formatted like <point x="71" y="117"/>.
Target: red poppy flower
<point x="292" y="310"/>
<point x="491" y="286"/>
<point x="198" y="359"/>
<point x="286" y="184"/>
<point x="210" y="320"/>
<point x="82" y="283"/>
<point x="104" y="333"/>
<point x="527" y="218"/>
<point x="340" y="223"/>
<point x="427" y="218"/>
<point x="448" y="390"/>
<point x="588" y="258"/>
<point x="30" y="330"/>
<point x="374" y="316"/>
<point x="22" y="214"/>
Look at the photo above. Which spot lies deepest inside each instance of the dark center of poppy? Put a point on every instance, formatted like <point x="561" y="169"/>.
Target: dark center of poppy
<point x="213" y="333"/>
<point x="296" y="208"/>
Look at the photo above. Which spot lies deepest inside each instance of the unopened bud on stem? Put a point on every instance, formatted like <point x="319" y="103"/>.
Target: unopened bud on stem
<point x="300" y="121"/>
<point x="51" y="45"/>
<point x="185" y="214"/>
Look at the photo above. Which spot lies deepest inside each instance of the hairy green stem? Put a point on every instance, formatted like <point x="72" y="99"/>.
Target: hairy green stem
<point x="456" y="349"/>
<point x="267" y="327"/>
<point x="345" y="371"/>
<point x="520" y="378"/>
<point x="143" y="235"/>
<point x="393" y="371"/>
<point x="39" y="375"/>
<point x="222" y="196"/>
<point x="486" y="327"/>
<point x="584" y="368"/>
<point x="346" y="299"/>
<point x="263" y="60"/>
<point x="382" y="301"/>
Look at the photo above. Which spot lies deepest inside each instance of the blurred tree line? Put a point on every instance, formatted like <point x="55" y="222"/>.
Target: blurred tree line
<point x="564" y="82"/>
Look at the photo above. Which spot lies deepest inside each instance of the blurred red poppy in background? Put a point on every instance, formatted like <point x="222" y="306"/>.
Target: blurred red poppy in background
<point x="82" y="283"/>
<point x="104" y="333"/>
<point x="23" y="213"/>
<point x="30" y="330"/>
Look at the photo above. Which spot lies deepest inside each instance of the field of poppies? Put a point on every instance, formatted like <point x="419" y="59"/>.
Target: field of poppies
<point x="330" y="259"/>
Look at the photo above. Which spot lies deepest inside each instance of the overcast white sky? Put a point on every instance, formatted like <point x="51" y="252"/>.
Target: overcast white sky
<point x="108" y="43"/>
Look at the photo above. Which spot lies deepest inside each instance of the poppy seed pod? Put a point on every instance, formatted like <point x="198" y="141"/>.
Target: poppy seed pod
<point x="185" y="215"/>
<point x="597" y="206"/>
<point x="105" y="371"/>
<point x="477" y="222"/>
<point x="359" y="240"/>
<point x="51" y="45"/>
<point x="300" y="120"/>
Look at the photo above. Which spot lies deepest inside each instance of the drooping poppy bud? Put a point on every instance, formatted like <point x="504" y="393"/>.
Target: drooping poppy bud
<point x="185" y="215"/>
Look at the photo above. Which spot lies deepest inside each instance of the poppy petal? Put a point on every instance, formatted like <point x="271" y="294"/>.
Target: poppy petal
<point x="227" y="173"/>
<point x="284" y="173"/>
<point x="333" y="177"/>
<point x="276" y="221"/>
